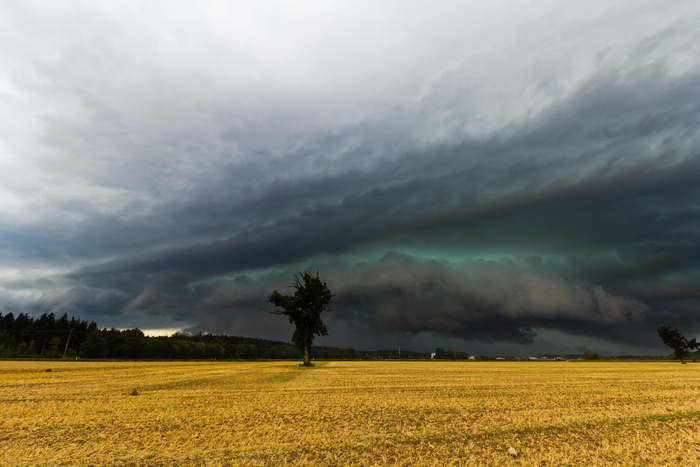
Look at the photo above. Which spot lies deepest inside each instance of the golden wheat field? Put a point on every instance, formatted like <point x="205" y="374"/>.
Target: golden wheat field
<point x="349" y="413"/>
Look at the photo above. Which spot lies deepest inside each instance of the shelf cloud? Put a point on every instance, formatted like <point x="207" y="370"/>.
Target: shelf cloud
<point x="502" y="177"/>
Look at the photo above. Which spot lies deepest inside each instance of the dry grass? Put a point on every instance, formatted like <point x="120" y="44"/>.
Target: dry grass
<point x="349" y="413"/>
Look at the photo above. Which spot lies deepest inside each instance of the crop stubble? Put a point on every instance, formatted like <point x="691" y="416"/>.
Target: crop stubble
<point x="349" y="413"/>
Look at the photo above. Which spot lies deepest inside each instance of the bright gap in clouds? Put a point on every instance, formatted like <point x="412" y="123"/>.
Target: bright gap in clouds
<point x="161" y="332"/>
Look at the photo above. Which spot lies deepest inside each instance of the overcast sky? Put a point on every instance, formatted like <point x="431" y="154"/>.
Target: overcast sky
<point x="492" y="177"/>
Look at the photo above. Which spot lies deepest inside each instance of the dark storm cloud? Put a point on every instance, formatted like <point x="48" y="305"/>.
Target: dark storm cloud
<point x="548" y="185"/>
<point x="492" y="192"/>
<point x="634" y="209"/>
<point x="485" y="300"/>
<point x="494" y="300"/>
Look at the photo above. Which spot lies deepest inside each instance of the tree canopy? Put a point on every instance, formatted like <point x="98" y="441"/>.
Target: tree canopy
<point x="311" y="298"/>
<point x="673" y="338"/>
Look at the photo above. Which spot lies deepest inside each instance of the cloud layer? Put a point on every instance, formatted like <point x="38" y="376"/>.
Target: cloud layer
<point x="493" y="176"/>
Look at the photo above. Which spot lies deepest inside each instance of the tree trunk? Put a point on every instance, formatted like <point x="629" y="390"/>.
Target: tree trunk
<point x="307" y="362"/>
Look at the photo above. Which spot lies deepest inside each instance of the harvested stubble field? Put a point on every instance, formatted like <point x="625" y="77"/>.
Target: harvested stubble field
<point x="349" y="413"/>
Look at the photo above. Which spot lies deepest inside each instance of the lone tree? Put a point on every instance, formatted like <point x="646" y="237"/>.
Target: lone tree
<point x="673" y="338"/>
<point x="311" y="298"/>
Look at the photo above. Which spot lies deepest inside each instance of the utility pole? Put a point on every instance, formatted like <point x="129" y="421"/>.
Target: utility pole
<point x="67" y="341"/>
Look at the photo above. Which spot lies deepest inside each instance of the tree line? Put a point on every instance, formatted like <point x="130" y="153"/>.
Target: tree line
<point x="68" y="337"/>
<point x="46" y="336"/>
<point x="133" y="344"/>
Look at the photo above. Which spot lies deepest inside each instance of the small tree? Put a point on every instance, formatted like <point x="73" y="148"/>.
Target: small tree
<point x="311" y="298"/>
<point x="673" y="338"/>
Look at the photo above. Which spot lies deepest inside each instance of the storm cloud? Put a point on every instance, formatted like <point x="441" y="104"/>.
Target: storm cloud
<point x="497" y="177"/>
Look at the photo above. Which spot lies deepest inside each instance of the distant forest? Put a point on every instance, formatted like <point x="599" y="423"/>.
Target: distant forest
<point x="22" y="336"/>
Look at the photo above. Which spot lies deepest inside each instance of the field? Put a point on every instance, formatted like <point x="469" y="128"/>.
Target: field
<point x="349" y="413"/>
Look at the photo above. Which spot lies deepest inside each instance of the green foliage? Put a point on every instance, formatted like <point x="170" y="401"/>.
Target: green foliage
<point x="134" y="392"/>
<point x="24" y="336"/>
<point x="304" y="308"/>
<point x="673" y="339"/>
<point x="133" y="344"/>
<point x="246" y="351"/>
<point x="95" y="346"/>
<point x="53" y="349"/>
